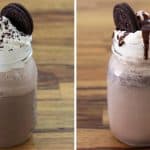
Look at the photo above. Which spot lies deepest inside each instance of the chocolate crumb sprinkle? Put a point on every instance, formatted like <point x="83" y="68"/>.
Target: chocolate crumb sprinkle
<point x="117" y="37"/>
<point x="121" y="42"/>
<point x="6" y="22"/>
<point x="10" y="50"/>
<point x="113" y="35"/>
<point x="121" y="38"/>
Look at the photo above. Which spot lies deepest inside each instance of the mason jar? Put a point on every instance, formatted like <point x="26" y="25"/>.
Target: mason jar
<point x="18" y="82"/>
<point x="128" y="95"/>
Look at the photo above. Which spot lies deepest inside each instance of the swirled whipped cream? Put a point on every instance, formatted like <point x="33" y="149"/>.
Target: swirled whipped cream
<point x="15" y="46"/>
<point x="128" y="45"/>
<point x="131" y="45"/>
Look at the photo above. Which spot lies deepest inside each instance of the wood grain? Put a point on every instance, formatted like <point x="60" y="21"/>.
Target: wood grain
<point x="95" y="26"/>
<point x="53" y="52"/>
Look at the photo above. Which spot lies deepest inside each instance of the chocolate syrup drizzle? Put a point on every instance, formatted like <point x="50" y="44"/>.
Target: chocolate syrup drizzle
<point x="145" y="34"/>
<point x="146" y="43"/>
<point x="121" y="38"/>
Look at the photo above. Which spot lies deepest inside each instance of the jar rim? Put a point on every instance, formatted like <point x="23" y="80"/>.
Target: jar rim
<point x="130" y="59"/>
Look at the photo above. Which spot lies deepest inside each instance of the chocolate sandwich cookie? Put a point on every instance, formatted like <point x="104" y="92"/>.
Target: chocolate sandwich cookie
<point x="19" y="17"/>
<point x="125" y="18"/>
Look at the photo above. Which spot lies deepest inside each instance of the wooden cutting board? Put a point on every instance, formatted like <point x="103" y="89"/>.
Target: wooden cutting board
<point x="53" y="52"/>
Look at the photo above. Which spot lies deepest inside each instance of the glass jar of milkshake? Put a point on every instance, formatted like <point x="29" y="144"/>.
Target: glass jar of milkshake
<point x="18" y="82"/>
<point x="128" y="85"/>
<point x="129" y="100"/>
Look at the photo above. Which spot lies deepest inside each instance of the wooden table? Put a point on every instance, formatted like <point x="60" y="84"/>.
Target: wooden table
<point x="53" y="52"/>
<point x="95" y="26"/>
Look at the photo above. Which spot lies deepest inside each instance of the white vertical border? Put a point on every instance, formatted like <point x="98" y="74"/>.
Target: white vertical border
<point x="75" y="74"/>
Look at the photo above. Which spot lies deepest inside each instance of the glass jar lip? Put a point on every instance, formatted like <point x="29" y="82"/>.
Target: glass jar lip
<point x="114" y="40"/>
<point x="119" y="51"/>
<point x="19" y="55"/>
<point x="130" y="59"/>
<point x="135" y="38"/>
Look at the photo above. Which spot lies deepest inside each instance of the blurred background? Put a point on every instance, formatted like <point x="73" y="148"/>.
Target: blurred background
<point x="53" y="52"/>
<point x="95" y="27"/>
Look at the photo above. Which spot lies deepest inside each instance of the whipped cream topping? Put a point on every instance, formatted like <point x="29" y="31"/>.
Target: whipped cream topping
<point x="131" y="45"/>
<point x="15" y="46"/>
<point x="128" y="45"/>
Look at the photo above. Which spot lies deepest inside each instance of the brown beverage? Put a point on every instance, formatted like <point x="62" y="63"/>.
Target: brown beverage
<point x="17" y="104"/>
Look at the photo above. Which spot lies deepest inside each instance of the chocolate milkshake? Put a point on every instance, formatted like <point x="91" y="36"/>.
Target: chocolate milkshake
<point x="128" y="79"/>
<point x="17" y="104"/>
<point x="18" y="76"/>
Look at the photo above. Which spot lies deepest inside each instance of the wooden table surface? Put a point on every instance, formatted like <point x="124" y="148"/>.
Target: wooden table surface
<point x="95" y="26"/>
<point x="53" y="52"/>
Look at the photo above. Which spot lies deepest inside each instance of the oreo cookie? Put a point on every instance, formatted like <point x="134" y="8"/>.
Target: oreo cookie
<point x="19" y="17"/>
<point x="125" y="18"/>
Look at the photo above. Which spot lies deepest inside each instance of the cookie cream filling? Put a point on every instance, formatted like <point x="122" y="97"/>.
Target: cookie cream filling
<point x="128" y="45"/>
<point x="142" y="15"/>
<point x="15" y="46"/>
